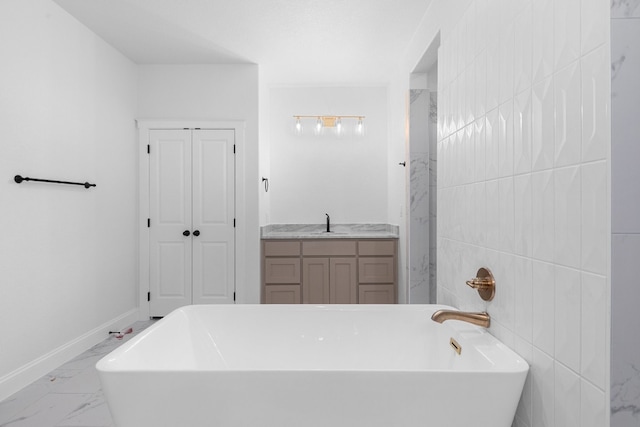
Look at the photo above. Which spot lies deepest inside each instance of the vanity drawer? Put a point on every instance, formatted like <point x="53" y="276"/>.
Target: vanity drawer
<point x="282" y="270"/>
<point x="287" y="248"/>
<point x="376" y="270"/>
<point x="376" y="294"/>
<point x="329" y="248"/>
<point x="377" y="247"/>
<point x="282" y="294"/>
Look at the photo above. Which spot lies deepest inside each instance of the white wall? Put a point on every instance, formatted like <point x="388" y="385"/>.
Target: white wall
<point x="67" y="254"/>
<point x="345" y="177"/>
<point x="398" y="178"/>
<point x="215" y="93"/>
<point x="523" y="187"/>
<point x="625" y="221"/>
<point x="265" y="149"/>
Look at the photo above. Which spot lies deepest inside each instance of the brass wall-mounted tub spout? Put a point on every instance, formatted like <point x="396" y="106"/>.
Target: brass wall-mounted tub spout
<point x="484" y="283"/>
<point x="481" y="319"/>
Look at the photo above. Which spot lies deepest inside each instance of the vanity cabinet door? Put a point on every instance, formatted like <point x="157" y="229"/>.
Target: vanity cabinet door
<point x="343" y="285"/>
<point x="315" y="280"/>
<point x="329" y="281"/>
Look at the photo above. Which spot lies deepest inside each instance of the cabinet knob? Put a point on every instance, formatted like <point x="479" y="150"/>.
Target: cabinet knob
<point x="196" y="233"/>
<point x="186" y="233"/>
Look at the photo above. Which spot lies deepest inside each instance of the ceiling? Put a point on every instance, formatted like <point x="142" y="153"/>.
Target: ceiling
<point x="294" y="41"/>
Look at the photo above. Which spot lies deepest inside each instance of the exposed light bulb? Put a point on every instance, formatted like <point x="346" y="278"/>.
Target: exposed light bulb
<point x="298" y="126"/>
<point x="318" y="129"/>
<point x="339" y="127"/>
<point x="360" y="127"/>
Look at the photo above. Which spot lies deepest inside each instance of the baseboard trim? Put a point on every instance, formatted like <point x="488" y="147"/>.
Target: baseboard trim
<point x="30" y="372"/>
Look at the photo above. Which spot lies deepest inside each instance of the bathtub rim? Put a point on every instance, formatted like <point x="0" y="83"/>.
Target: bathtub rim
<point x="470" y="334"/>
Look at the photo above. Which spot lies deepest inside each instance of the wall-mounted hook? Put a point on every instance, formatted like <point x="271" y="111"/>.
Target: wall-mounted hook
<point x="266" y="184"/>
<point x="403" y="164"/>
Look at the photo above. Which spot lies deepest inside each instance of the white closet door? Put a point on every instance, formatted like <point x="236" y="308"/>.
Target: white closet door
<point x="213" y="217"/>
<point x="170" y="250"/>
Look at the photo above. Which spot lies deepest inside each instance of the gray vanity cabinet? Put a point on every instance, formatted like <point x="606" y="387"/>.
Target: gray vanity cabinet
<point x="329" y="271"/>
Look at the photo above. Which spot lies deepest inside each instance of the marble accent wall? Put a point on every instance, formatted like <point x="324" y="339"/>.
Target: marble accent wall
<point x="523" y="160"/>
<point x="625" y="239"/>
<point x="433" y="196"/>
<point x="422" y="199"/>
<point x="419" y="196"/>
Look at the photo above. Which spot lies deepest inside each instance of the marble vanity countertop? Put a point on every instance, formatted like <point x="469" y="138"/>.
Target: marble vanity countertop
<point x="338" y="231"/>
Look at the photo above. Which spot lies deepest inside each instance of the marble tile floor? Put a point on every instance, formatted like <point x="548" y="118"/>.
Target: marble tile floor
<point x="70" y="395"/>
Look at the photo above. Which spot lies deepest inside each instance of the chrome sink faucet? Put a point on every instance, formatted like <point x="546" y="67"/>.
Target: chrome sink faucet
<point x="481" y="319"/>
<point x="328" y="223"/>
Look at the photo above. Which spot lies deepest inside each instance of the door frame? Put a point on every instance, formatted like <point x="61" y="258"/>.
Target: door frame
<point x="144" y="126"/>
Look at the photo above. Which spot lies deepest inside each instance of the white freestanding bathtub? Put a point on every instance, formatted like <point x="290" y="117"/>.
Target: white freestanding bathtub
<point x="311" y="366"/>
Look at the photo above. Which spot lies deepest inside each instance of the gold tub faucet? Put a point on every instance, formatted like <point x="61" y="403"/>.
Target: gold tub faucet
<point x="481" y="319"/>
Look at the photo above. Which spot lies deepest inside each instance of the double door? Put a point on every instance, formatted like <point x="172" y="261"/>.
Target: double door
<point x="329" y="281"/>
<point x="192" y="224"/>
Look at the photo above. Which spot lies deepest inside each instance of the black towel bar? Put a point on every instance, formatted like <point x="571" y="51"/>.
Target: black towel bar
<point x="18" y="179"/>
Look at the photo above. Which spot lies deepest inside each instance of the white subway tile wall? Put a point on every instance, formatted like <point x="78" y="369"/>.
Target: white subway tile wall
<point x="523" y="146"/>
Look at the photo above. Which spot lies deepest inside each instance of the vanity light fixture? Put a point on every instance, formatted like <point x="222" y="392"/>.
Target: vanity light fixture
<point x="337" y="123"/>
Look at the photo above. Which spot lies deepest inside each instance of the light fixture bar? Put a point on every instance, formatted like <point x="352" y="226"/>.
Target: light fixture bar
<point x="315" y="116"/>
<point x="329" y="121"/>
